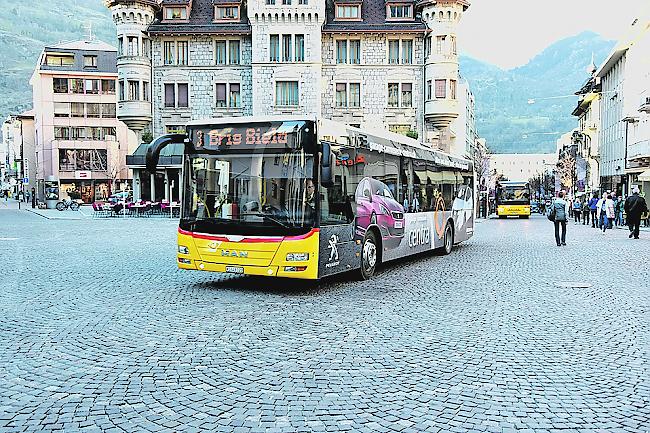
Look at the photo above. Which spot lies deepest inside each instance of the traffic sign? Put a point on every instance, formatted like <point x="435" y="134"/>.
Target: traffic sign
<point x="25" y="180"/>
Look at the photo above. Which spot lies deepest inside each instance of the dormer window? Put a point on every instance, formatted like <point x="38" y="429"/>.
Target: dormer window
<point x="176" y="13"/>
<point x="90" y="61"/>
<point x="348" y="12"/>
<point x="59" y="59"/>
<point x="399" y="11"/>
<point x="226" y="13"/>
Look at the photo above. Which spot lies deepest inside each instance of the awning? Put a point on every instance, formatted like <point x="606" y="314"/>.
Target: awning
<point x="645" y="176"/>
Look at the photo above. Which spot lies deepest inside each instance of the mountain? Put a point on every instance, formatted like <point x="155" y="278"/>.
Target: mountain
<point x="503" y="115"/>
<point x="26" y="27"/>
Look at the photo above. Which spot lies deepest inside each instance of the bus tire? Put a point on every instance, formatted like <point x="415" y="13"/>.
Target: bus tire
<point x="448" y="240"/>
<point x="369" y="255"/>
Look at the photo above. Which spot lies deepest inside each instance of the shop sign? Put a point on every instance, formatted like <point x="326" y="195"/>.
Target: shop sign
<point x="82" y="174"/>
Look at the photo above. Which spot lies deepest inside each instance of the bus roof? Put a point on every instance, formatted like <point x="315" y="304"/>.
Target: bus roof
<point x="378" y="139"/>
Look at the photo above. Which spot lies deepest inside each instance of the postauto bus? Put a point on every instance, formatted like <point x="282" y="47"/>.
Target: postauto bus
<point x="307" y="198"/>
<point x="513" y="199"/>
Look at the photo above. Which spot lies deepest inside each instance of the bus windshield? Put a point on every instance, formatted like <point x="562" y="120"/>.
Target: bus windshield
<point x="252" y="194"/>
<point x="514" y="194"/>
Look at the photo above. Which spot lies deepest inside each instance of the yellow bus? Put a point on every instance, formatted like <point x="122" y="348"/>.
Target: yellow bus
<point x="308" y="198"/>
<point x="513" y="199"/>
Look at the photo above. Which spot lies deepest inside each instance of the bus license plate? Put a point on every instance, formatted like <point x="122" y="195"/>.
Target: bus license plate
<point x="235" y="269"/>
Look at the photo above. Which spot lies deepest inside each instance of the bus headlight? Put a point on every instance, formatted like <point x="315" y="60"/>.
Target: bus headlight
<point x="297" y="257"/>
<point x="183" y="250"/>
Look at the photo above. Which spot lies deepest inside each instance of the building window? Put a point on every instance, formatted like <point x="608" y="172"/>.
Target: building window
<point x="407" y="95"/>
<point x="342" y="51"/>
<point x="132" y="47"/>
<point x="61" y="109"/>
<point x="108" y="133"/>
<point x="427" y="46"/>
<point x="92" y="87"/>
<point x="234" y="98"/>
<point x="354" y="99"/>
<point x="440" y="44"/>
<point x="183" y="98"/>
<point x="77" y="85"/>
<point x="168" y="53"/>
<point x="233" y="52"/>
<point x="270" y="2"/>
<point x="407" y="52"/>
<point x="393" y="52"/>
<point x="108" y="87"/>
<point x="93" y="110"/>
<point x="453" y="45"/>
<point x="221" y="95"/>
<point x="300" y="48"/>
<point x="79" y="133"/>
<point x="441" y="89"/>
<point x="303" y="2"/>
<point x="77" y="109"/>
<point x="121" y="95"/>
<point x="134" y="90"/>
<point x="220" y="53"/>
<point x="452" y="88"/>
<point x="286" y="48"/>
<point x="393" y="94"/>
<point x="347" y="12"/>
<point x="62" y="133"/>
<point x="175" y="129"/>
<point x="90" y="61"/>
<point x="176" y="13"/>
<point x="60" y="85"/>
<point x="108" y="111"/>
<point x="286" y="93"/>
<point x="120" y="46"/>
<point x="274" y="48"/>
<point x="286" y="2"/>
<point x="400" y="12"/>
<point x="355" y="51"/>
<point x="59" y="60"/>
<point x="341" y="95"/>
<point x="429" y="89"/>
<point x="145" y="91"/>
<point x="182" y="53"/>
<point x="170" y="95"/>
<point x="227" y="13"/>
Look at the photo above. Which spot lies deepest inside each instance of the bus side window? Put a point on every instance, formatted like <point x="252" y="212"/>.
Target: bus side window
<point x="336" y="205"/>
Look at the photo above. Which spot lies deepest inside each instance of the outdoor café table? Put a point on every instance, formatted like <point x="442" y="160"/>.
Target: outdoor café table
<point x="138" y="208"/>
<point x="174" y="209"/>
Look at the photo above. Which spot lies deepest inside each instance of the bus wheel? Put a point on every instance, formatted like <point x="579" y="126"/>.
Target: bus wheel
<point x="449" y="240"/>
<point x="369" y="257"/>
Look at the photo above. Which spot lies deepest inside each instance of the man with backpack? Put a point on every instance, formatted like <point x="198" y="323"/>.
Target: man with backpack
<point x="559" y="214"/>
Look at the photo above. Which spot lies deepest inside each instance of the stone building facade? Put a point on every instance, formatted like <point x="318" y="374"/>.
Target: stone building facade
<point x="371" y="63"/>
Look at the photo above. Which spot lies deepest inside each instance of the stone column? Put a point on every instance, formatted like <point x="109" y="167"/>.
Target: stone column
<point x="153" y="187"/>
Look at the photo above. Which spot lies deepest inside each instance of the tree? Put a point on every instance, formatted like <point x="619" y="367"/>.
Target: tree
<point x="566" y="170"/>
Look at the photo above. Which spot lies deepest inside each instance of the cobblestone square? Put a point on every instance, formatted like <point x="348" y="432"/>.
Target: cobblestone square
<point x="100" y="332"/>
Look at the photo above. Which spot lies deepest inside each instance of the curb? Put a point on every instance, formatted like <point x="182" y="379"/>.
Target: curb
<point x="53" y="218"/>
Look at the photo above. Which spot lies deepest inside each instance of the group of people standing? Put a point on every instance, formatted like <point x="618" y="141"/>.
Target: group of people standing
<point x="604" y="213"/>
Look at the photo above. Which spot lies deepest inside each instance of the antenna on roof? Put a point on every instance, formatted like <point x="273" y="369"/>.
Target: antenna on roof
<point x="89" y="28"/>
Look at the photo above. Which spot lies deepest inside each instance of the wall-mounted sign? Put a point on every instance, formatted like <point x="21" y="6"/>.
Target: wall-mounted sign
<point x="83" y="174"/>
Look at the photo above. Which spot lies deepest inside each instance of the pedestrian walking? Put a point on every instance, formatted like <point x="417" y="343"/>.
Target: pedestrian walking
<point x="605" y="211"/>
<point x="593" y="209"/>
<point x="585" y="212"/>
<point x="577" y="211"/>
<point x="620" y="212"/>
<point x="559" y="212"/>
<point x="635" y="206"/>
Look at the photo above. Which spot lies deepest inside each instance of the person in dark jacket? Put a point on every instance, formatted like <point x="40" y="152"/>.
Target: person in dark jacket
<point x="561" y="209"/>
<point x="635" y="206"/>
<point x="593" y="208"/>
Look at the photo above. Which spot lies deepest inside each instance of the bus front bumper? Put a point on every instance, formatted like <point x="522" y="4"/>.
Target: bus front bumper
<point x="513" y="210"/>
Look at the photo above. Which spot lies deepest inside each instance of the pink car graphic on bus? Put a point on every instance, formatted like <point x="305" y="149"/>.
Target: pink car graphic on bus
<point x="377" y="206"/>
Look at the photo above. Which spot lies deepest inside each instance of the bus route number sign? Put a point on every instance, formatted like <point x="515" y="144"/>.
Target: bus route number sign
<point x="235" y="137"/>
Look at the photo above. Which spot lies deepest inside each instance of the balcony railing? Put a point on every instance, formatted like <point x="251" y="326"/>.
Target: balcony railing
<point x="639" y="150"/>
<point x="645" y="104"/>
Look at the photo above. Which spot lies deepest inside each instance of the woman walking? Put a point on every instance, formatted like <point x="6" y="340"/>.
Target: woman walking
<point x="577" y="211"/>
<point x="606" y="210"/>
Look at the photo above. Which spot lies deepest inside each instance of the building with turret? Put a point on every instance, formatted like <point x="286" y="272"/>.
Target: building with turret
<point x="374" y="63"/>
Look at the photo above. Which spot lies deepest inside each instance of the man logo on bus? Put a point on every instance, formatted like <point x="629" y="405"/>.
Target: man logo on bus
<point x="334" y="250"/>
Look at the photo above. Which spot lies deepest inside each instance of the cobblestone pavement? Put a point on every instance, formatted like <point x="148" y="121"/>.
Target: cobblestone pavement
<point x="100" y="332"/>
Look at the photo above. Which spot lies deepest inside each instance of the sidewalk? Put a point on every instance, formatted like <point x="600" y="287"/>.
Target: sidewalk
<point x="53" y="214"/>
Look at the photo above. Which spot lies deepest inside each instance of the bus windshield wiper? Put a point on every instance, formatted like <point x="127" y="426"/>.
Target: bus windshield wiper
<point x="267" y="217"/>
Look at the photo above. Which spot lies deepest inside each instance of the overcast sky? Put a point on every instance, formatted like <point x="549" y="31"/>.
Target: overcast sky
<point x="508" y="33"/>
